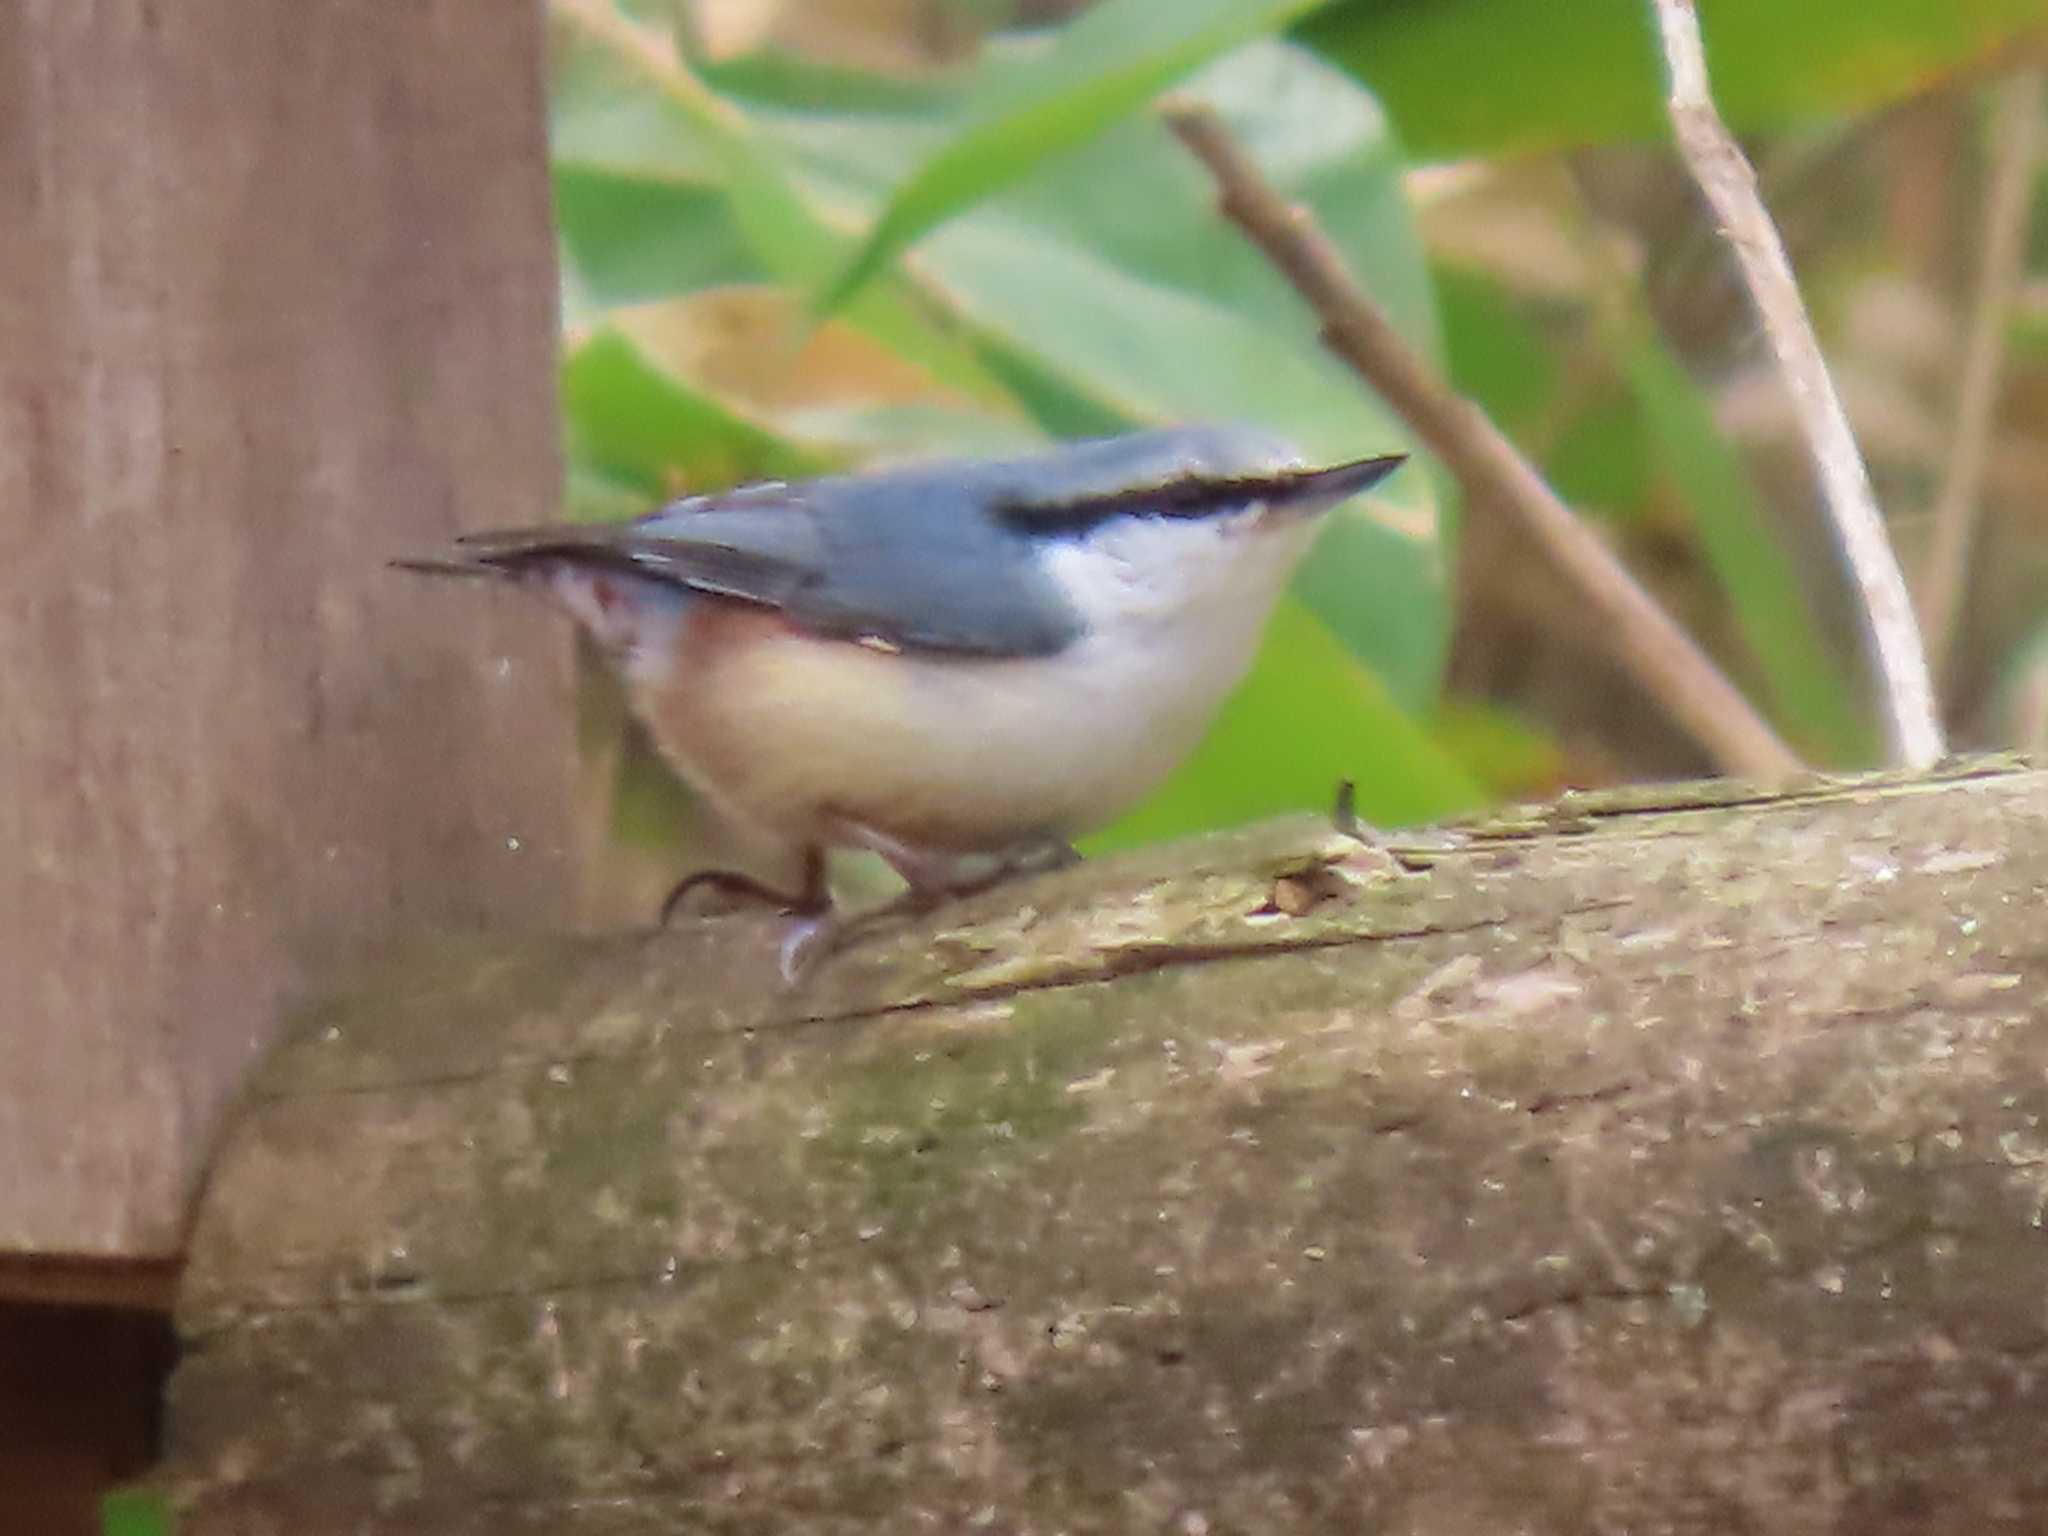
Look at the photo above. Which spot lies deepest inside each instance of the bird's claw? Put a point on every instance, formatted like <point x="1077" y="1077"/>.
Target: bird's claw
<point x="808" y="941"/>
<point x="1344" y="816"/>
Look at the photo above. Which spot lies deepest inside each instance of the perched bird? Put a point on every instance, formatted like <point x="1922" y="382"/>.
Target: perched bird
<point x="950" y="664"/>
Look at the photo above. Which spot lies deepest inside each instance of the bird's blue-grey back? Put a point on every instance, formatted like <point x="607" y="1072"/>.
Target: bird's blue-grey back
<point x="940" y="556"/>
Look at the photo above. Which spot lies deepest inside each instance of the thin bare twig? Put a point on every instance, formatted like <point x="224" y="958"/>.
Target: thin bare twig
<point x="2015" y="149"/>
<point x="1729" y="184"/>
<point x="1493" y="472"/>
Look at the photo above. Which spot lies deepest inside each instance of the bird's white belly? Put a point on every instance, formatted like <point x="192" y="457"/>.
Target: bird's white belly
<point x="800" y="735"/>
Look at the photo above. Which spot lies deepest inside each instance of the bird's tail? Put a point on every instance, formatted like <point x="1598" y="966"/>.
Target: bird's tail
<point x="582" y="571"/>
<point x="431" y="567"/>
<point x="520" y="552"/>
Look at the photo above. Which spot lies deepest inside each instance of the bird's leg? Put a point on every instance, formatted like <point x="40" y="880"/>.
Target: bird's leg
<point x="812" y="928"/>
<point x="1344" y="816"/>
<point x="1037" y="857"/>
<point x="1414" y="851"/>
<point x="1048" y="854"/>
<point x="933" y="879"/>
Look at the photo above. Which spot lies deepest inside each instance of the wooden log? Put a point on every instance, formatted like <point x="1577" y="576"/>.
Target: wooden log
<point x="277" y="302"/>
<point x="1672" y="1161"/>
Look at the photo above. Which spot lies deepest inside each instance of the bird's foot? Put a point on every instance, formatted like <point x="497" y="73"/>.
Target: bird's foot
<point x="931" y="879"/>
<point x="1413" y="851"/>
<point x="812" y="924"/>
<point x="736" y="888"/>
<point x="937" y="876"/>
<point x="806" y="944"/>
<point x="939" y="883"/>
<point x="812" y="898"/>
<point x="1344" y="816"/>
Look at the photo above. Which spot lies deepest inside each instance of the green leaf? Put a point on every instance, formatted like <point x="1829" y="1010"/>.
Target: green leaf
<point x="628" y="239"/>
<point x="136" y="1512"/>
<point x="1813" y="698"/>
<point x="633" y="424"/>
<point x="1497" y="355"/>
<point x="778" y="78"/>
<point x="627" y="110"/>
<point x="1381" y="590"/>
<point x="1465" y="77"/>
<point x="1150" y="351"/>
<point x="1306" y="719"/>
<point x="605" y="113"/>
<point x="900" y="432"/>
<point x="1599" y="459"/>
<point x="1100" y="67"/>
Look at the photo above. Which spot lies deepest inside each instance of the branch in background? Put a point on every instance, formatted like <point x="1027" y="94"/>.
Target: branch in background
<point x="1493" y="473"/>
<point x="2015" y="149"/>
<point x="1725" y="177"/>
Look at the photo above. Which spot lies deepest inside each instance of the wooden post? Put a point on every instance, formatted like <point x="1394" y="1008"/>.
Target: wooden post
<point x="277" y="301"/>
<point x="1664" y="1161"/>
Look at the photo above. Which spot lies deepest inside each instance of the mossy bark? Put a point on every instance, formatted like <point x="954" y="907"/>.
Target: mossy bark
<point x="1671" y="1161"/>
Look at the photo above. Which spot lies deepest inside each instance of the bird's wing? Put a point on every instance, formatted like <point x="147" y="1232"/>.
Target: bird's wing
<point x="893" y="559"/>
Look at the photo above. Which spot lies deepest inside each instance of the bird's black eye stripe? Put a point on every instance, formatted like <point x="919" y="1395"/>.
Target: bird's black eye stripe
<point x="1189" y="496"/>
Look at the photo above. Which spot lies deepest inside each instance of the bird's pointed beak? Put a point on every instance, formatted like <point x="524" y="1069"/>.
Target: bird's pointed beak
<point x="1289" y="498"/>
<point x="1305" y="492"/>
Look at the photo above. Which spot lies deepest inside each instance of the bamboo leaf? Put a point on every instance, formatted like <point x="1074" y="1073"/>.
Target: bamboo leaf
<point x="1101" y="67"/>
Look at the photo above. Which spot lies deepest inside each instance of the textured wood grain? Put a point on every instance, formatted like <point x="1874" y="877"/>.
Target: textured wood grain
<point x="276" y="302"/>
<point x="1667" y="1162"/>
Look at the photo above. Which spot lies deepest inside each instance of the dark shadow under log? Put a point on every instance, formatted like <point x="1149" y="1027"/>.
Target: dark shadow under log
<point x="1672" y="1161"/>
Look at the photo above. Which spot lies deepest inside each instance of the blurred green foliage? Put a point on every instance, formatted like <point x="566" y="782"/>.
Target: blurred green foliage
<point x="1080" y="282"/>
<point x="1490" y="77"/>
<point x="136" y="1512"/>
<point x="774" y="265"/>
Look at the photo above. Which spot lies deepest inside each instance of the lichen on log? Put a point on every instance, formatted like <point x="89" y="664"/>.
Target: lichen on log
<point x="1664" y="1161"/>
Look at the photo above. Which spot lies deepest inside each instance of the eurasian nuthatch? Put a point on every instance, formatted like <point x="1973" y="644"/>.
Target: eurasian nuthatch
<point x="945" y="660"/>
